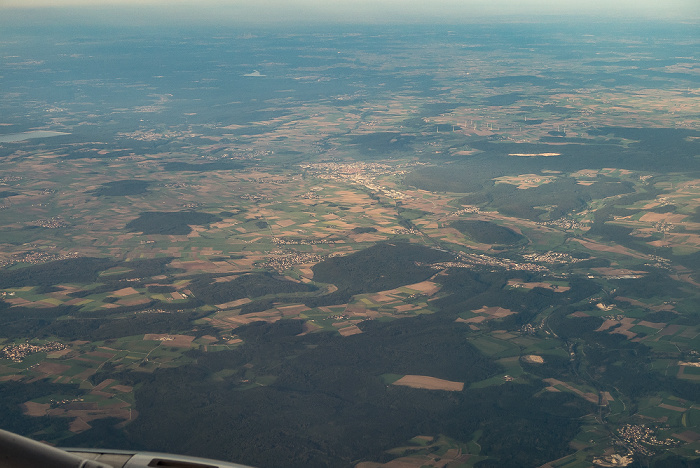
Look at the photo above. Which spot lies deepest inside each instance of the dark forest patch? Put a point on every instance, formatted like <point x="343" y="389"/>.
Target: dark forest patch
<point x="252" y="285"/>
<point x="458" y="178"/>
<point x="672" y="146"/>
<point x="664" y="209"/>
<point x="95" y="329"/>
<point x="121" y="188"/>
<point x="83" y="270"/>
<point x="381" y="142"/>
<point x="72" y="270"/>
<point x="487" y="232"/>
<point x="169" y="223"/>
<point x="363" y="230"/>
<point x="202" y="167"/>
<point x="383" y="266"/>
<point x="503" y="99"/>
<point x="437" y="108"/>
<point x="561" y="197"/>
<point x="519" y="79"/>
<point x="329" y="405"/>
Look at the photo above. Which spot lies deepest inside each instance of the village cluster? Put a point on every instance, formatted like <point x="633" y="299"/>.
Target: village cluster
<point x="640" y="438"/>
<point x="17" y="353"/>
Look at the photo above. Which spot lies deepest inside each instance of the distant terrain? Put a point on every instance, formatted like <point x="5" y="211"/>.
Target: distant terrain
<point x="406" y="246"/>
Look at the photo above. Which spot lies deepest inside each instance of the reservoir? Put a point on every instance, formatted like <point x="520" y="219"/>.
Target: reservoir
<point x="15" y="137"/>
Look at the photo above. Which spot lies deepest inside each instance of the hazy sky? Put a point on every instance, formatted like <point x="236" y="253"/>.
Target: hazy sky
<point x="373" y="11"/>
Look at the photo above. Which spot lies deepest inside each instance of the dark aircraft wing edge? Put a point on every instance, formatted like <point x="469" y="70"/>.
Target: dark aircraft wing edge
<point x="20" y="452"/>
